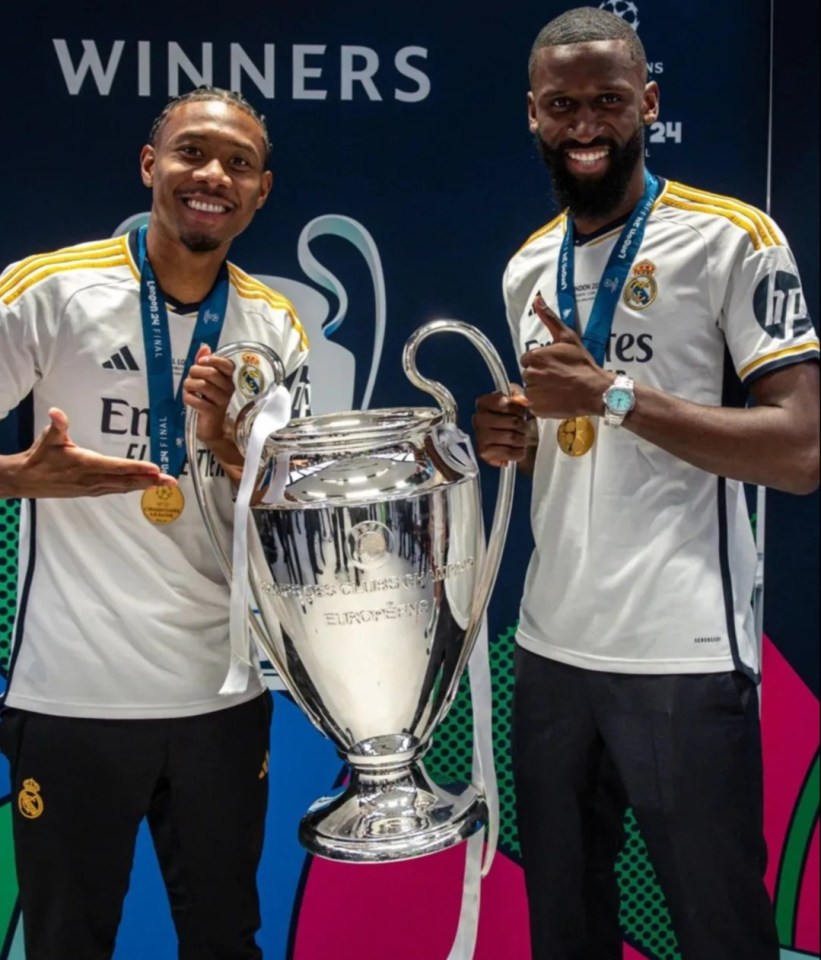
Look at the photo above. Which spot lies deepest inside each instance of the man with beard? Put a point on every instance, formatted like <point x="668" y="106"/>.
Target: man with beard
<point x="637" y="661"/>
<point x="113" y="710"/>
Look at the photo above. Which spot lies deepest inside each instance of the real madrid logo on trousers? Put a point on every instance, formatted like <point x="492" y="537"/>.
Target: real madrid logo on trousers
<point x="29" y="801"/>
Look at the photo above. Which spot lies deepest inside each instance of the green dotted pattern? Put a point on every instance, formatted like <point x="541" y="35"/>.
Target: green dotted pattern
<point x="644" y="915"/>
<point x="9" y="519"/>
<point x="9" y="525"/>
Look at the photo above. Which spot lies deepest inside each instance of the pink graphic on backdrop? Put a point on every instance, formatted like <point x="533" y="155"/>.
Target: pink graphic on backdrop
<point x="409" y="910"/>
<point x="789" y="720"/>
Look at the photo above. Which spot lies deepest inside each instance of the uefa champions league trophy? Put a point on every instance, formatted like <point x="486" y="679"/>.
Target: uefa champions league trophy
<point x="368" y="568"/>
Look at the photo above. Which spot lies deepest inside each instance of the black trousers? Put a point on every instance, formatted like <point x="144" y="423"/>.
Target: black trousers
<point x="80" y="788"/>
<point x="684" y="752"/>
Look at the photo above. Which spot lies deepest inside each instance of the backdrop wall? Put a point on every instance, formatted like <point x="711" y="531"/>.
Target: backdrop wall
<point x="403" y="162"/>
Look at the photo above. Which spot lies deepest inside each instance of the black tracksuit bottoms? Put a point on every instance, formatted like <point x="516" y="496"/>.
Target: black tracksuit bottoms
<point x="684" y="752"/>
<point x="80" y="788"/>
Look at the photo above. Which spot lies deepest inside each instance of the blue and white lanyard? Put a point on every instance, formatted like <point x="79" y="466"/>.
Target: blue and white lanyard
<point x="600" y="323"/>
<point x="166" y="409"/>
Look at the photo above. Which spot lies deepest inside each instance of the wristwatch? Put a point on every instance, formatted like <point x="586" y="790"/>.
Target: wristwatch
<point x="619" y="400"/>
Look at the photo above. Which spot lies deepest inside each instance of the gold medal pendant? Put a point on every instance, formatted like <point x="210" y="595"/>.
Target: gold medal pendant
<point x="576" y="436"/>
<point x="161" y="505"/>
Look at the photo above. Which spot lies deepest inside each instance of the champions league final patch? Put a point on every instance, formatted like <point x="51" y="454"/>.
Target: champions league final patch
<point x="250" y="380"/>
<point x="641" y="289"/>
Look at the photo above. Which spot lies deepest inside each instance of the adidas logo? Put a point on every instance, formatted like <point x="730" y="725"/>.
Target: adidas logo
<point x="123" y="359"/>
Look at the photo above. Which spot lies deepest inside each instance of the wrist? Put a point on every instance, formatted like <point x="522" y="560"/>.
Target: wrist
<point x="618" y="400"/>
<point x="602" y="385"/>
<point x="226" y="451"/>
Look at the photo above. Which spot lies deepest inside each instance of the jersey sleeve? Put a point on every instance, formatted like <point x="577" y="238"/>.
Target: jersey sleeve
<point x="297" y="368"/>
<point x="286" y="335"/>
<point x="764" y="315"/>
<point x="294" y="346"/>
<point x="26" y="341"/>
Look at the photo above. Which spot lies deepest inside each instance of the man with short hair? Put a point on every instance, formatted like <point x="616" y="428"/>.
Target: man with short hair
<point x="113" y="710"/>
<point x="643" y="313"/>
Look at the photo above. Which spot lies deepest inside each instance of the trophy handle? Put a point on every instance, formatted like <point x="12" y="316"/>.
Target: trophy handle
<point x="504" y="499"/>
<point x="241" y="437"/>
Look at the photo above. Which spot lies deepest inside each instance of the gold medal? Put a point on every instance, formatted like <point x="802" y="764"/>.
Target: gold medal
<point x="576" y="436"/>
<point x="162" y="505"/>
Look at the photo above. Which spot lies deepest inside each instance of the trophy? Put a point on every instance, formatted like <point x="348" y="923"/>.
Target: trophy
<point x="368" y="570"/>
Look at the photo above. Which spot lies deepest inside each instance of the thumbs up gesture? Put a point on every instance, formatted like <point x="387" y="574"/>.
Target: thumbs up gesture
<point x="562" y="380"/>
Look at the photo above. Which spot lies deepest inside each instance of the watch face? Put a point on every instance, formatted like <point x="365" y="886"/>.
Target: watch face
<point x="620" y="400"/>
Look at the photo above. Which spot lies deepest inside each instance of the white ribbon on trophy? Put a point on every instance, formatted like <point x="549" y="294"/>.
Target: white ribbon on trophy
<point x="456" y="445"/>
<point x="272" y="415"/>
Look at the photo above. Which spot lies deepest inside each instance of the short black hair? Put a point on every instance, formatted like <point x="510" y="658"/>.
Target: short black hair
<point x="586" y="24"/>
<point x="207" y="92"/>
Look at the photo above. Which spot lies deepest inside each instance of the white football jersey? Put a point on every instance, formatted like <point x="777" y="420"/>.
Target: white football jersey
<point x="119" y="617"/>
<point x="643" y="563"/>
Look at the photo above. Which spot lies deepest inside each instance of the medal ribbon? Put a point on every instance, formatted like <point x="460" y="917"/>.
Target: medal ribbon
<point x="597" y="331"/>
<point x="166" y="410"/>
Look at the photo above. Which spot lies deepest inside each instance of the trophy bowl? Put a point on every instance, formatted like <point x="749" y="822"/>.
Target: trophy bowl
<point x="368" y="569"/>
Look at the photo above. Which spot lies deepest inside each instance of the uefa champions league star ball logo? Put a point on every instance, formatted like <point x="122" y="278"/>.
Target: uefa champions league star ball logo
<point x="625" y="9"/>
<point x="369" y="544"/>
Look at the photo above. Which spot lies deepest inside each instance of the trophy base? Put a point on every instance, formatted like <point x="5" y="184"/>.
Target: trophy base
<point x="399" y="817"/>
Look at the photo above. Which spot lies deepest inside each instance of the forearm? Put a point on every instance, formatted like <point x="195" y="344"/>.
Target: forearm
<point x="9" y="477"/>
<point x="228" y="456"/>
<point x="766" y="445"/>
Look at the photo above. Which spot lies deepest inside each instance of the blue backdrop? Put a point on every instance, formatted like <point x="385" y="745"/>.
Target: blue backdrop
<point x="403" y="127"/>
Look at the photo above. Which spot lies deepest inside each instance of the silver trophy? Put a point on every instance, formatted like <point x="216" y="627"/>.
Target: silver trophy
<point x="369" y="573"/>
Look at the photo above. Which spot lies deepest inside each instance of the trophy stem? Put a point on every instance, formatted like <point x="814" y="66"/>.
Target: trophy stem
<point x="389" y="815"/>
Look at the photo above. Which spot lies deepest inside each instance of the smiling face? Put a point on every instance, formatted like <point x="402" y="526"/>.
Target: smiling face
<point x="207" y="173"/>
<point x="587" y="108"/>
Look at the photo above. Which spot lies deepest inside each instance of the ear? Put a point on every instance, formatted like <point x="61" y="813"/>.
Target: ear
<point x="266" y="183"/>
<point x="650" y="103"/>
<point x="147" y="160"/>
<point x="532" y="124"/>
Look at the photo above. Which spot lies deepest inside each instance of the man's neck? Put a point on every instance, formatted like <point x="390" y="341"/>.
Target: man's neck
<point x="634" y="193"/>
<point x="182" y="274"/>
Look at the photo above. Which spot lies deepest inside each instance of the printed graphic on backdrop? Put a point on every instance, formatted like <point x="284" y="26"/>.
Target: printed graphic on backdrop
<point x="382" y="112"/>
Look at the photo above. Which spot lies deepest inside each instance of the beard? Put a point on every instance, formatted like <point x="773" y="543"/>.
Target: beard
<point x="200" y="242"/>
<point x="588" y="197"/>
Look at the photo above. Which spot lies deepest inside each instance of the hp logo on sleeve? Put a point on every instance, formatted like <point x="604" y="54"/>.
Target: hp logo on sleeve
<point x="779" y="306"/>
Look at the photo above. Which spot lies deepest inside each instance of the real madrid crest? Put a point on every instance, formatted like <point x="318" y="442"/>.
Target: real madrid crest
<point x="641" y="289"/>
<point x="250" y="380"/>
<point x="29" y="801"/>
